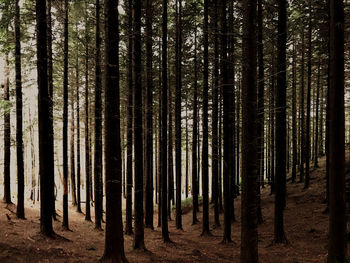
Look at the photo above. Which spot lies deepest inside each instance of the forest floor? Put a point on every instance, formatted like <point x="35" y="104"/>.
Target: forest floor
<point x="306" y="228"/>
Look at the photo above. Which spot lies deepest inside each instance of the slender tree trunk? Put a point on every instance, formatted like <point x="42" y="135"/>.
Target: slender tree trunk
<point x="45" y="160"/>
<point x="19" y="117"/>
<point x="7" y="136"/>
<point x="294" y="117"/>
<point x="231" y="109"/>
<point x="138" y="134"/>
<point x="220" y="153"/>
<point x="129" y="182"/>
<point x="50" y="83"/>
<point x="194" y="137"/>
<point x="78" y="137"/>
<point x="302" y="108"/>
<point x="165" y="232"/>
<point x="215" y="159"/>
<point x="308" y="105"/>
<point x="337" y="247"/>
<point x="316" y="146"/>
<point x="205" y="165"/>
<point x="272" y="121"/>
<point x="114" y="242"/>
<point x="260" y="124"/>
<point x="87" y="133"/>
<point x="170" y="150"/>
<point x="65" y="120"/>
<point x="178" y="113"/>
<point x="98" y="125"/>
<point x="249" y="230"/>
<point x="227" y="125"/>
<point x="149" y="120"/>
<point x="187" y="157"/>
<point x="160" y="127"/>
<point x="72" y="152"/>
<point x="279" y="235"/>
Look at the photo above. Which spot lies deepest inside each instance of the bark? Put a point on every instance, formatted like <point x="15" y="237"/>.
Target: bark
<point x="308" y="104"/>
<point x="78" y="138"/>
<point x="19" y="116"/>
<point x="294" y="117"/>
<point x="280" y="180"/>
<point x="215" y="157"/>
<point x="337" y="247"/>
<point x="87" y="133"/>
<point x="98" y="125"/>
<point x="227" y="122"/>
<point x="194" y="137"/>
<point x="178" y="113"/>
<point x="7" y="136"/>
<point x="114" y="242"/>
<point x="249" y="230"/>
<point x="65" y="119"/>
<point x="272" y="121"/>
<point x="302" y="109"/>
<point x="205" y="165"/>
<point x="163" y="147"/>
<point x="260" y="124"/>
<point x="45" y="160"/>
<point x="316" y="144"/>
<point x="138" y="133"/>
<point x="72" y="152"/>
<point x="149" y="118"/>
<point x="129" y="181"/>
<point x="231" y="108"/>
<point x="50" y="83"/>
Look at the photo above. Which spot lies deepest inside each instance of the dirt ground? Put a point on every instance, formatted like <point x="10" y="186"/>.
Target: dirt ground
<point x="306" y="229"/>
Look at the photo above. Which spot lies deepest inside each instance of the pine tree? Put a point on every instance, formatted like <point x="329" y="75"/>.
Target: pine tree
<point x="45" y="164"/>
<point x="19" y="116"/>
<point x="337" y="219"/>
<point x="114" y="241"/>
<point x="249" y="230"/>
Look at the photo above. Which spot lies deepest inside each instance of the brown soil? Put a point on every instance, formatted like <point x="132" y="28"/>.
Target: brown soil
<point x="305" y="225"/>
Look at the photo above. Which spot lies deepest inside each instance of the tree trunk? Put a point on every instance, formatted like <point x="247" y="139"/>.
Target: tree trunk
<point x="215" y="158"/>
<point x="231" y="109"/>
<point x="227" y="125"/>
<point x="50" y="83"/>
<point x="98" y="125"/>
<point x="45" y="139"/>
<point x="129" y="182"/>
<point x="337" y="247"/>
<point x="149" y="118"/>
<point x="87" y="134"/>
<point x="302" y="99"/>
<point x="72" y="152"/>
<point x="260" y="124"/>
<point x="19" y="117"/>
<point x="114" y="242"/>
<point x="163" y="148"/>
<point x="78" y="137"/>
<point x="272" y="121"/>
<point x="65" y="120"/>
<point x="249" y="230"/>
<point x="205" y="165"/>
<point x="178" y="112"/>
<point x="7" y="136"/>
<point x="316" y="146"/>
<point x="138" y="133"/>
<point x="280" y="180"/>
<point x="308" y="105"/>
<point x="294" y="117"/>
<point x="194" y="137"/>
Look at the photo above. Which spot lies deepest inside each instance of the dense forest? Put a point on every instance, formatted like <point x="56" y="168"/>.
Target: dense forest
<point x="174" y="131"/>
